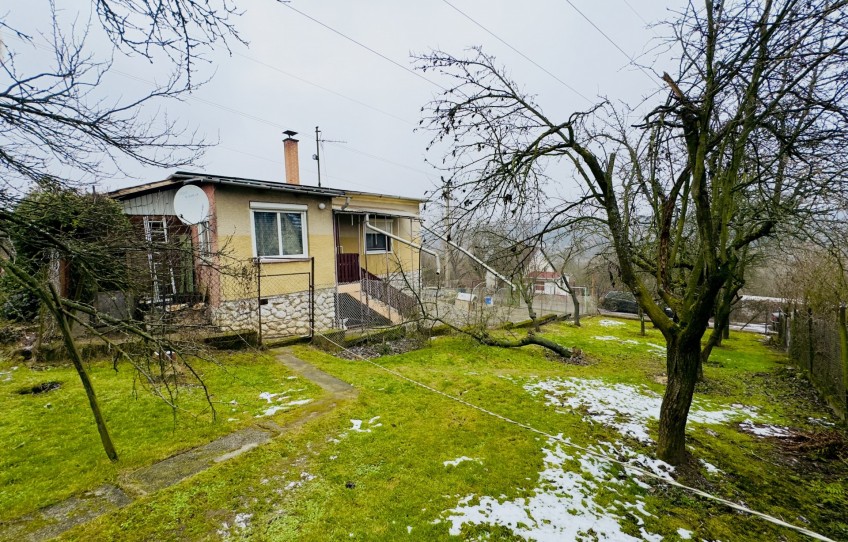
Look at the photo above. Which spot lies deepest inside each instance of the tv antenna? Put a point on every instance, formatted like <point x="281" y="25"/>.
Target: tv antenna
<point x="317" y="155"/>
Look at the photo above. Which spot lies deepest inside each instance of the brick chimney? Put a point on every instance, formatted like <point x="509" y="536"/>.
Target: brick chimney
<point x="290" y="151"/>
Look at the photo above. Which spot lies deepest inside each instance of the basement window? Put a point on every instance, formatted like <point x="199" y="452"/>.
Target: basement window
<point x="279" y="230"/>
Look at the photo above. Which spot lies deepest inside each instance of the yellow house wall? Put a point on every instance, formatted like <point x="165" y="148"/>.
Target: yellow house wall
<point x="352" y="235"/>
<point x="235" y="240"/>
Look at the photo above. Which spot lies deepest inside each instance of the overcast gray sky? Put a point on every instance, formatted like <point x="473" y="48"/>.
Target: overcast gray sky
<point x="297" y="74"/>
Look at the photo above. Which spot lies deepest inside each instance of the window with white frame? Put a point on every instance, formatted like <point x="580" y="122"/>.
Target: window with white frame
<point x="378" y="243"/>
<point x="279" y="230"/>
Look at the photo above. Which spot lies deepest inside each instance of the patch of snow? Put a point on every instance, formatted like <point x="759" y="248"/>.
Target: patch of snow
<point x="821" y="421"/>
<point x="409" y="529"/>
<point x="684" y="534"/>
<point x="605" y="338"/>
<point x="562" y="506"/>
<point x="625" y="407"/>
<point x="291" y="378"/>
<point x="270" y="411"/>
<point x="458" y="460"/>
<point x="712" y="469"/>
<point x="765" y="430"/>
<point x="232" y="419"/>
<point x="242" y="520"/>
<point x="304" y="477"/>
<point x="629" y="341"/>
<point x="358" y="425"/>
<point x="611" y="323"/>
<point x="268" y="396"/>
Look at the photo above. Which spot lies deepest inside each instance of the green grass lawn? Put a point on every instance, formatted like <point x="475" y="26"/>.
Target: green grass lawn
<point x="51" y="448"/>
<point x="401" y="462"/>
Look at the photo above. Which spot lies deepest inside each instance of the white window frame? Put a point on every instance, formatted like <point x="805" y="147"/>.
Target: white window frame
<point x="267" y="207"/>
<point x="385" y="224"/>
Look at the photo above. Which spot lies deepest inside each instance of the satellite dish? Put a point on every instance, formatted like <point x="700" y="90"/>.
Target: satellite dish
<point x="191" y="205"/>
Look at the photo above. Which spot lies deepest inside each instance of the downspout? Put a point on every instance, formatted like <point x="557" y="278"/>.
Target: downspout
<point x="472" y="256"/>
<point x="405" y="242"/>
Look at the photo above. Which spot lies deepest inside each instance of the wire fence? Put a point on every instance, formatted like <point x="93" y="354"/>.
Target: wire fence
<point x="813" y="342"/>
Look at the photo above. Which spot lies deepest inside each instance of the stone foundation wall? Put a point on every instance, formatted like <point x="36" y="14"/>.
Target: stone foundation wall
<point x="283" y="315"/>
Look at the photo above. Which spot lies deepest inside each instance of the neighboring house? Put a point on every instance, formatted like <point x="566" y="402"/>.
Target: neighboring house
<point x="547" y="282"/>
<point x="545" y="279"/>
<point x="310" y="257"/>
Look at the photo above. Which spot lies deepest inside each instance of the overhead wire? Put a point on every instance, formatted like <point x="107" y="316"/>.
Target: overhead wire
<point x="527" y="58"/>
<point x="282" y="163"/>
<point x="266" y="121"/>
<point x="651" y="76"/>
<point x="636" y="12"/>
<point x="367" y="48"/>
<point x="325" y="89"/>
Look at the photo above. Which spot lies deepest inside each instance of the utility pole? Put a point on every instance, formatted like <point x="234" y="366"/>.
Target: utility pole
<point x="317" y="155"/>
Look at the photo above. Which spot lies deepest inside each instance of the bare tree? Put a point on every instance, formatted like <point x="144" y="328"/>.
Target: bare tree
<point x="54" y="118"/>
<point x="57" y="126"/>
<point x="745" y="143"/>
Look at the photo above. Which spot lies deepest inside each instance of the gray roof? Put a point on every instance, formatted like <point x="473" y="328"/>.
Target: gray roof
<point x="185" y="177"/>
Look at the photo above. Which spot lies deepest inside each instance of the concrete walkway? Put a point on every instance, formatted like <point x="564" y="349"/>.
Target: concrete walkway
<point x="55" y="519"/>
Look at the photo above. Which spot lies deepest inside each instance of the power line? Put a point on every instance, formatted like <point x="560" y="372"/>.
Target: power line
<point x="609" y="39"/>
<point x="260" y="119"/>
<point x="282" y="163"/>
<point x="569" y="87"/>
<point x="636" y="12"/>
<point x="331" y="91"/>
<point x="276" y="125"/>
<point x="369" y="49"/>
<point x="380" y="158"/>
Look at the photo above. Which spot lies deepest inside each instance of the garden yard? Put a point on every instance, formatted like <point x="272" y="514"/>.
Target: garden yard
<point x="402" y="461"/>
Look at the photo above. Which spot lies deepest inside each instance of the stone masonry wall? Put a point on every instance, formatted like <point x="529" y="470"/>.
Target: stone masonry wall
<point x="283" y="315"/>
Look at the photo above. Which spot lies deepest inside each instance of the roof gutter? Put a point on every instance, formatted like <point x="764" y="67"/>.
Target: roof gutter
<point x="472" y="256"/>
<point x="405" y="242"/>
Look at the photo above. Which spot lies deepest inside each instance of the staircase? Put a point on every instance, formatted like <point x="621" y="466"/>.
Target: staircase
<point x="356" y="291"/>
<point x="369" y="297"/>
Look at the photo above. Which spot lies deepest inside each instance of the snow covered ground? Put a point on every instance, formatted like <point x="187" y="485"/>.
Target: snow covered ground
<point x="565" y="504"/>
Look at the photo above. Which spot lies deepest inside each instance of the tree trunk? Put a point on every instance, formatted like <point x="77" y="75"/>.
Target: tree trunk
<point x="719" y="326"/>
<point x="843" y="352"/>
<point x="576" y="301"/>
<point x="682" y="360"/>
<point x="530" y="338"/>
<point x="76" y="358"/>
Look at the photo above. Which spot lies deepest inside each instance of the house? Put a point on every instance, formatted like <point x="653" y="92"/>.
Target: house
<point x="543" y="276"/>
<point x="281" y="257"/>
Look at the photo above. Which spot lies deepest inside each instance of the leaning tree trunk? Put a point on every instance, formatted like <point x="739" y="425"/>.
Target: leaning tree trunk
<point x="76" y="359"/>
<point x="682" y="360"/>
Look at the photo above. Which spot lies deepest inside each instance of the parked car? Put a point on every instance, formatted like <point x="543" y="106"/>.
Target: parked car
<point x="620" y="302"/>
<point x="626" y="302"/>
